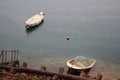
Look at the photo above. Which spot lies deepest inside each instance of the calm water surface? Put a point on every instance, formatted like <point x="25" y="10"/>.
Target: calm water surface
<point x="93" y="25"/>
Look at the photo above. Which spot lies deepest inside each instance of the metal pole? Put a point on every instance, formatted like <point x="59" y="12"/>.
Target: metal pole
<point x="12" y="56"/>
<point x="2" y="56"/>
<point x="5" y="56"/>
<point x="17" y="54"/>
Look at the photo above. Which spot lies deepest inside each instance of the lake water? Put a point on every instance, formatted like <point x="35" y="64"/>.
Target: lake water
<point x="93" y="26"/>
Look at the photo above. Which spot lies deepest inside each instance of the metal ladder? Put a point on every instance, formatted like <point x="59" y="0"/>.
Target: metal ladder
<point x="7" y="56"/>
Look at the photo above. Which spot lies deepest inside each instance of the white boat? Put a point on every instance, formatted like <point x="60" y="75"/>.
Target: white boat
<point x="35" y="20"/>
<point x="81" y="63"/>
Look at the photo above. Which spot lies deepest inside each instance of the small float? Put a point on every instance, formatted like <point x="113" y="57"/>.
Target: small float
<point x="67" y="38"/>
<point x="81" y="63"/>
<point x="35" y="20"/>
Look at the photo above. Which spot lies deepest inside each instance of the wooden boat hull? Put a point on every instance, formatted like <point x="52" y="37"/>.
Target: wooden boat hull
<point x="81" y="63"/>
<point x="35" y="20"/>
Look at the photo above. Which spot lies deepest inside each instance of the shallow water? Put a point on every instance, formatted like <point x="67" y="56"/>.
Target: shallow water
<point x="93" y="26"/>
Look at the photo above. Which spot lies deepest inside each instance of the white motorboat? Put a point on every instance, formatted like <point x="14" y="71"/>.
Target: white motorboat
<point x="81" y="63"/>
<point x="35" y="20"/>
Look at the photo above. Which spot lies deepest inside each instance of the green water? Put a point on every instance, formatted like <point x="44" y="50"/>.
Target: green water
<point x="93" y="26"/>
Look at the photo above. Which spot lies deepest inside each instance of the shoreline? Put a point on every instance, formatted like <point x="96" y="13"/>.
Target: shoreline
<point x="109" y="70"/>
<point x="106" y="75"/>
<point x="93" y="72"/>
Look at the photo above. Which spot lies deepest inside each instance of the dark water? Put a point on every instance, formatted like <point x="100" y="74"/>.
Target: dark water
<point x="93" y="25"/>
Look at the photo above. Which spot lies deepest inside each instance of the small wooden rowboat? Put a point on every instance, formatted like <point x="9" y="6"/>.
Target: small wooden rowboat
<point x="35" y="20"/>
<point x="81" y="63"/>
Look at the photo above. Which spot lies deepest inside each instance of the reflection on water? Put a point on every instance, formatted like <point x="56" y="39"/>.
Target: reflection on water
<point x="33" y="28"/>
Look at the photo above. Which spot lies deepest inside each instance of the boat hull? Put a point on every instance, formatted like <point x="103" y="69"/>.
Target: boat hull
<point x="80" y="63"/>
<point x="77" y="71"/>
<point x="34" y="20"/>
